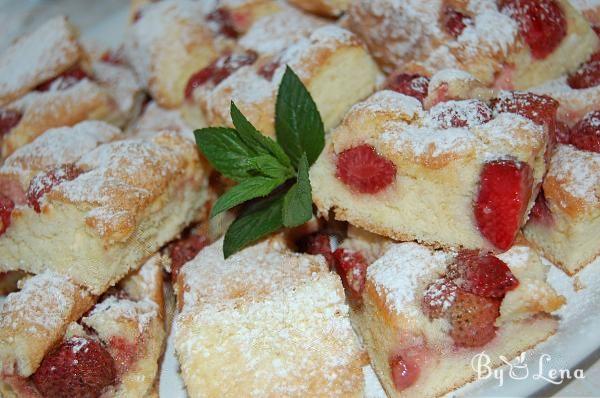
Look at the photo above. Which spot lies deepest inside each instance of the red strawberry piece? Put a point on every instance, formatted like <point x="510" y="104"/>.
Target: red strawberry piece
<point x="113" y="57"/>
<point x="540" y="212"/>
<point x="364" y="170"/>
<point x="540" y="109"/>
<point x="585" y="135"/>
<point x="542" y="24"/>
<point x="318" y="243"/>
<point x="352" y="268"/>
<point x="6" y="208"/>
<point x="438" y="298"/>
<point x="185" y="249"/>
<point x="77" y="368"/>
<point x="223" y="20"/>
<point x="588" y="74"/>
<point x="9" y="118"/>
<point x="412" y="85"/>
<point x="468" y="113"/>
<point x="504" y="192"/>
<point x="454" y="22"/>
<point x="268" y="70"/>
<point x="43" y="183"/>
<point x="472" y="319"/>
<point x="404" y="372"/>
<point x="219" y="70"/>
<point x="482" y="274"/>
<point x="64" y="80"/>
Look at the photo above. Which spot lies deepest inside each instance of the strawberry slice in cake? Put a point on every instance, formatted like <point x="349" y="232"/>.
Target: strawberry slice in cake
<point x="56" y="342"/>
<point x="464" y="173"/>
<point x="512" y="44"/>
<point x="426" y="313"/>
<point x="565" y="222"/>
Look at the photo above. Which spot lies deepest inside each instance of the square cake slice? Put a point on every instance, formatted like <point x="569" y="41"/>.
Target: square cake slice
<point x="266" y="322"/>
<point x="427" y="313"/>
<point x="96" y="212"/>
<point x="464" y="173"/>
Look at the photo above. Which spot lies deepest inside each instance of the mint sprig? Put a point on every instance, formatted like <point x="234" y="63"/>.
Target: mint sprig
<point x="273" y="175"/>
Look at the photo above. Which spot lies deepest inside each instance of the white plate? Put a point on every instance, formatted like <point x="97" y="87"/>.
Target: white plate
<point x="576" y="342"/>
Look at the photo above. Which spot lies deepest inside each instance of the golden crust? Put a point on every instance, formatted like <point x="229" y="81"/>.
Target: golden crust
<point x="43" y="111"/>
<point x="37" y="57"/>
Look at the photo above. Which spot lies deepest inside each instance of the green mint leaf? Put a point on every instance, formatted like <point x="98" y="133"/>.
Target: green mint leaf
<point x="259" y="220"/>
<point x="297" y="203"/>
<point x="254" y="139"/>
<point x="248" y="189"/>
<point x="297" y="120"/>
<point x="268" y="166"/>
<point x="225" y="151"/>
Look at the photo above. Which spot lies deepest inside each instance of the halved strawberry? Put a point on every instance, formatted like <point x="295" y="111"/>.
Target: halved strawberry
<point x="454" y="22"/>
<point x="412" y="85"/>
<point x="504" y="191"/>
<point x="219" y="70"/>
<point x="77" y="368"/>
<point x="224" y="21"/>
<point x="585" y="135"/>
<point x="352" y="268"/>
<point x="473" y="319"/>
<point x="9" y="118"/>
<point x="542" y="23"/>
<point x="43" y="183"/>
<point x="540" y="212"/>
<point x="318" y="243"/>
<point x="404" y="372"/>
<point x="588" y="74"/>
<point x="6" y="208"/>
<point x="438" y="298"/>
<point x="185" y="249"/>
<point x="364" y="170"/>
<point x="482" y="274"/>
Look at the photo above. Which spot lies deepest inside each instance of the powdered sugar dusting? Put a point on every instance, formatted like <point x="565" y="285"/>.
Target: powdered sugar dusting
<point x="578" y="172"/>
<point x="402" y="271"/>
<point x="387" y="101"/>
<point x="112" y="308"/>
<point x="37" y="57"/>
<point x="43" y="303"/>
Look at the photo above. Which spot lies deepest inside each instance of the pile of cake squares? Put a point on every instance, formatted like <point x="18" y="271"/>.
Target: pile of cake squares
<point x="462" y="160"/>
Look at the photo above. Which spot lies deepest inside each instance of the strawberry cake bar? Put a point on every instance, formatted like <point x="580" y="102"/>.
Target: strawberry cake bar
<point x="565" y="220"/>
<point x="54" y="342"/>
<point x="46" y="80"/>
<point x="512" y="44"/>
<point x="462" y="174"/>
<point x="120" y="201"/>
<point x="246" y="321"/>
<point x="426" y="313"/>
<point x="331" y="62"/>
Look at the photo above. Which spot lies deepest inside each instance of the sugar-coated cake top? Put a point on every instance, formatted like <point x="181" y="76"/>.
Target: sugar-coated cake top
<point x="43" y="304"/>
<point x="404" y="131"/>
<point x="37" y="57"/>
<point x="274" y="33"/>
<point x="121" y="179"/>
<point x="114" y="309"/>
<point x="252" y="273"/>
<point x="410" y="31"/>
<point x="577" y="173"/>
<point x="295" y="342"/>
<point x="57" y="146"/>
